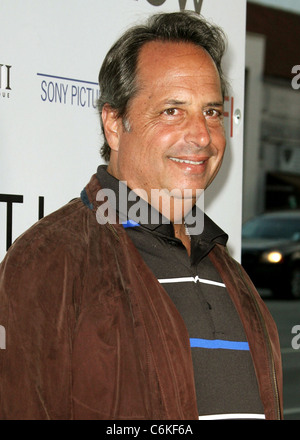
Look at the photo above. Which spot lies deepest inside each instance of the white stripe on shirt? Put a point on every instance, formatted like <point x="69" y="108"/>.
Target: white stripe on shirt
<point x="233" y="416"/>
<point x="190" y="279"/>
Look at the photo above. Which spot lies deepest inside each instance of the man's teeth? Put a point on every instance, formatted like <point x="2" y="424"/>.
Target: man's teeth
<point x="191" y="162"/>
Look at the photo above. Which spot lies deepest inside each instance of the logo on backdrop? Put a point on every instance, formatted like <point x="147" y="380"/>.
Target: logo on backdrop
<point x="68" y="91"/>
<point x="182" y="4"/>
<point x="5" y="80"/>
<point x="80" y="93"/>
<point x="10" y="200"/>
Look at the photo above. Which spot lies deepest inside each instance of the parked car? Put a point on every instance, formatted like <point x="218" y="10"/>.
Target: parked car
<point x="271" y="252"/>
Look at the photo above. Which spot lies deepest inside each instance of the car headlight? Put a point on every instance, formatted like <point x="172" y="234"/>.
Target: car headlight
<point x="272" y="257"/>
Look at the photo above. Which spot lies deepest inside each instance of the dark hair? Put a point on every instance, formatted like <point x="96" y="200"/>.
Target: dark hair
<point x="117" y="77"/>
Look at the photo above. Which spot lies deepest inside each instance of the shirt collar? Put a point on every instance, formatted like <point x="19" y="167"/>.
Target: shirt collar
<point x="126" y="205"/>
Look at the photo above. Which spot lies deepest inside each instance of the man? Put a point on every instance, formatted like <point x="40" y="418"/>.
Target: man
<point x="117" y="317"/>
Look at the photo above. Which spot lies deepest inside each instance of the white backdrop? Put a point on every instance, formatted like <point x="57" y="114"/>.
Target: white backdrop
<point x="50" y="55"/>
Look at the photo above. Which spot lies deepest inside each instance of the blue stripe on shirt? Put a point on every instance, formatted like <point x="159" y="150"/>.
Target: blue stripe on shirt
<point x="219" y="344"/>
<point x="130" y="224"/>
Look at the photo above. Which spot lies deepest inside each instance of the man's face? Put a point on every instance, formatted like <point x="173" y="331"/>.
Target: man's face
<point x="176" y="138"/>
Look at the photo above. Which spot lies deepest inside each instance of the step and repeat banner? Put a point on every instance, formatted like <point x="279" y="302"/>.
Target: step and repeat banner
<point x="50" y="55"/>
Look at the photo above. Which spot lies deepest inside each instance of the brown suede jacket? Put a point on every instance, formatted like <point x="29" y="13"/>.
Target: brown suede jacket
<point x="91" y="334"/>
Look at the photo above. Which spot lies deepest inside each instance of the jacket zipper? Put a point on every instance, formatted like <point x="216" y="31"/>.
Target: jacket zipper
<point x="274" y="379"/>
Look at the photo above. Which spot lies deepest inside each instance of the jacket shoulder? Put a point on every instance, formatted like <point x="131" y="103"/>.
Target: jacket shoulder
<point x="55" y="230"/>
<point x="40" y="256"/>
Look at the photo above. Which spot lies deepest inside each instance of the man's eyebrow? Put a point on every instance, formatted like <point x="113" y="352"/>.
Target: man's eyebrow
<point x="215" y="104"/>
<point x="175" y="102"/>
<point x="180" y="102"/>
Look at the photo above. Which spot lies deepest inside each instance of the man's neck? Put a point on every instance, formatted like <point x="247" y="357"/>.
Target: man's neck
<point x="181" y="233"/>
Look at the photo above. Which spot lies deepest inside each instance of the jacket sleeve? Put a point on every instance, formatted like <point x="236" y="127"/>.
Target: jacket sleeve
<point x="37" y="314"/>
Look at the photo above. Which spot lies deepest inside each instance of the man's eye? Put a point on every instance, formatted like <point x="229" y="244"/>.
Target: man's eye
<point x="213" y="113"/>
<point x="171" y="111"/>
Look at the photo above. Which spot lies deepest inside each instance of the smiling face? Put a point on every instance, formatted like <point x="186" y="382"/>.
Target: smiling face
<point x="176" y="138"/>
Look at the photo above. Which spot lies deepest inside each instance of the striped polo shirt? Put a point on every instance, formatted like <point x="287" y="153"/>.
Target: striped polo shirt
<point x="226" y="384"/>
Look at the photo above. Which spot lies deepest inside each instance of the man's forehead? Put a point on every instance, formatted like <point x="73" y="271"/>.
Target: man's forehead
<point x="161" y="62"/>
<point x="163" y="56"/>
<point x="157" y="51"/>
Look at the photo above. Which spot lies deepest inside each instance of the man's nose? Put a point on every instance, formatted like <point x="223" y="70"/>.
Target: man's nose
<point x="197" y="132"/>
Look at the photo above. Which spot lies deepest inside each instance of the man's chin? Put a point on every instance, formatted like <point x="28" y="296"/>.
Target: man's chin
<point x="175" y="204"/>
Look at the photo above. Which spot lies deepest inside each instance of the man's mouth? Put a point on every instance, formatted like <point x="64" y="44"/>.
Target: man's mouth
<point x="190" y="162"/>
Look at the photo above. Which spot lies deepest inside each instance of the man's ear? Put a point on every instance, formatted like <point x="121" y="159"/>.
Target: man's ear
<point x="111" y="124"/>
